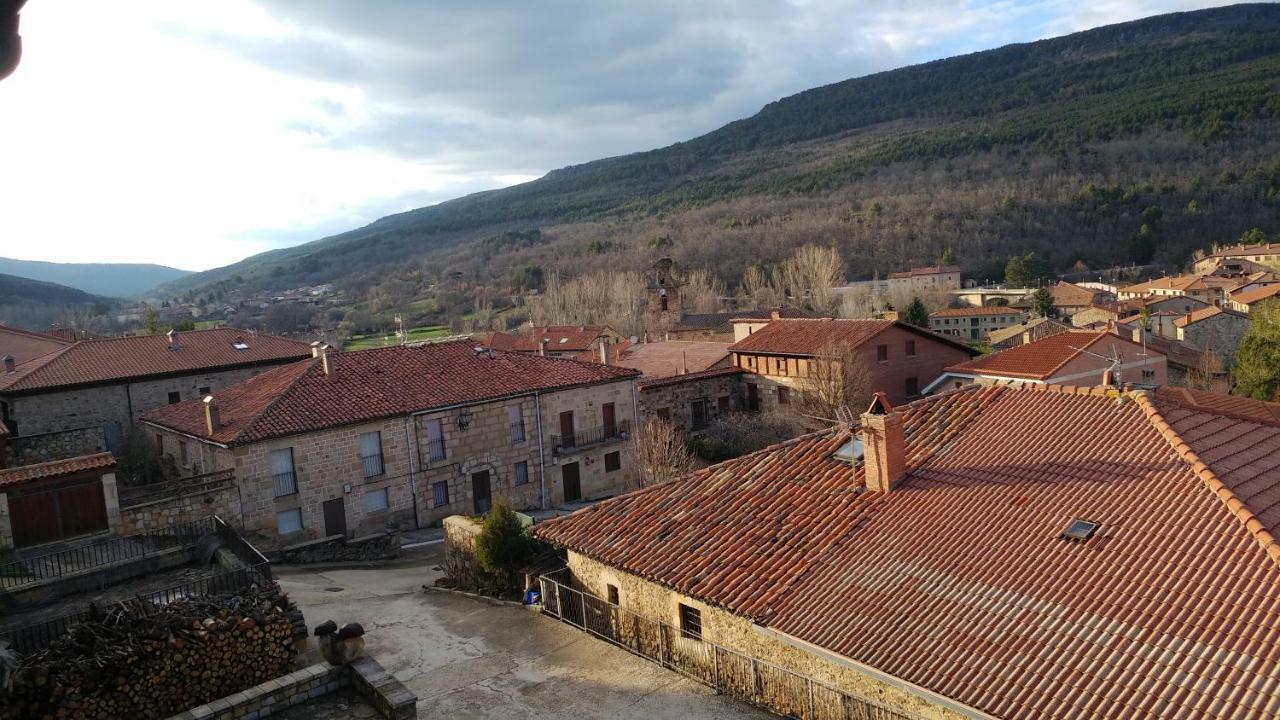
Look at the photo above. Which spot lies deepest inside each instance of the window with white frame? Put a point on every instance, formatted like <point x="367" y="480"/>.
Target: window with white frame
<point x="376" y="500"/>
<point x="371" y="453"/>
<point x="283" y="479"/>
<point x="289" y="521"/>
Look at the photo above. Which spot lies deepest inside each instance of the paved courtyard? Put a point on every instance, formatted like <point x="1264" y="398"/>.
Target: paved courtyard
<point x="468" y="658"/>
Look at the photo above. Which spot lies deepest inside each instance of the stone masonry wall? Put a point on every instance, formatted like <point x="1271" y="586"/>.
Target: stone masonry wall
<point x="1222" y="333"/>
<point x="677" y="399"/>
<point x="653" y="601"/>
<point x="221" y="501"/>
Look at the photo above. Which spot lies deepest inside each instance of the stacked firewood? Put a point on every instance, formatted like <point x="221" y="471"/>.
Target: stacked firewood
<point x="138" y="660"/>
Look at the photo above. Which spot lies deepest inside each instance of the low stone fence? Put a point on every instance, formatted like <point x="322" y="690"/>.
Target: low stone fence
<point x="460" y="534"/>
<point x="388" y="695"/>
<point x="337" y="548"/>
<point x="160" y="505"/>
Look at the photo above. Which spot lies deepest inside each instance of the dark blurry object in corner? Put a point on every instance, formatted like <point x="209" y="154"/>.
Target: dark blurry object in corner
<point x="10" y="41"/>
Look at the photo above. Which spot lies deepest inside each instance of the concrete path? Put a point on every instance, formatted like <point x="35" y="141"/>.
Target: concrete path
<point x="468" y="658"/>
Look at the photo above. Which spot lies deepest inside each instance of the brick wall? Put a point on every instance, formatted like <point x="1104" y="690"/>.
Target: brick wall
<point x="651" y="600"/>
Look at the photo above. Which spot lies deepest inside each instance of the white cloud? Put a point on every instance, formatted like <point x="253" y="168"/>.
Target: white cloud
<point x="196" y="133"/>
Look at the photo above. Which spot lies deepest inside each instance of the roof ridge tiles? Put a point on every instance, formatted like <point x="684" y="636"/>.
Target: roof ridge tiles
<point x="1234" y="505"/>
<point x="279" y="398"/>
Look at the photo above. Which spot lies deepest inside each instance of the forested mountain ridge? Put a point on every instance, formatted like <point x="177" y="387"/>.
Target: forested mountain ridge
<point x="120" y="280"/>
<point x="1129" y="142"/>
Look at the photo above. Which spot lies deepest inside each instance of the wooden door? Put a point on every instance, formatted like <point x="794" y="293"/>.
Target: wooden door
<point x="610" y="420"/>
<point x="566" y="429"/>
<point x="57" y="513"/>
<point x="572" y="482"/>
<point x="481" y="492"/>
<point x="34" y="519"/>
<point x="753" y="398"/>
<point x="84" y="510"/>
<point x="335" y="517"/>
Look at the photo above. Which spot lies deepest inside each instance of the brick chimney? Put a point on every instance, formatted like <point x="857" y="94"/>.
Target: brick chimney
<point x="775" y="314"/>
<point x="1109" y="378"/>
<point x="173" y="340"/>
<point x="212" y="420"/>
<point x="10" y="364"/>
<point x="884" y="445"/>
<point x="604" y="351"/>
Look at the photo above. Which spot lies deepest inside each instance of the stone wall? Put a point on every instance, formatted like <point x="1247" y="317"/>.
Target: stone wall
<point x="674" y="400"/>
<point x="384" y="546"/>
<point x="182" y="507"/>
<point x="653" y="601"/>
<point x="1221" y="333"/>
<point x="460" y="533"/>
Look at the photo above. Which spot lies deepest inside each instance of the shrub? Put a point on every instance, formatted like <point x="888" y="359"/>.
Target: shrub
<point x="503" y="547"/>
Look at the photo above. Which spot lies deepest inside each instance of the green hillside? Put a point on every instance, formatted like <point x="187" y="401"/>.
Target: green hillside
<point x="1133" y="142"/>
<point x="109" y="279"/>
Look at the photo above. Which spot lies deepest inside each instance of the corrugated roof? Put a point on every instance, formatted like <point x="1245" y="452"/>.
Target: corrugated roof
<point x="10" y="477"/>
<point x="958" y="580"/>
<point x="107" y="360"/>
<point x="370" y="384"/>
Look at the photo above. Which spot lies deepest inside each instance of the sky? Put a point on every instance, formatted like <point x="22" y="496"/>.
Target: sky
<point x="194" y="134"/>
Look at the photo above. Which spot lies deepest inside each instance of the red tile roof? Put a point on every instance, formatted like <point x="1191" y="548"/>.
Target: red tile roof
<point x="1041" y="359"/>
<point x="1067" y="294"/>
<point x="1256" y="294"/>
<point x="810" y="336"/>
<point x="25" y="345"/>
<point x="688" y="377"/>
<point x="561" y="338"/>
<point x="1205" y="313"/>
<point x="958" y="580"/>
<point x="370" y="384"/>
<point x="1238" y="250"/>
<point x="983" y="311"/>
<point x="1179" y="282"/>
<point x="10" y="477"/>
<point x="108" y="360"/>
<point x="664" y="359"/>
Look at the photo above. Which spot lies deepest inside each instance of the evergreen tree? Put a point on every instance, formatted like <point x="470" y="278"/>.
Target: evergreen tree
<point x="1042" y="303"/>
<point x="1257" y="362"/>
<point x="502" y="546"/>
<point x="916" y="314"/>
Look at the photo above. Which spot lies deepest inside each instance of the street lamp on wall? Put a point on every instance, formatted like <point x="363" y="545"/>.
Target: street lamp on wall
<point x="464" y="419"/>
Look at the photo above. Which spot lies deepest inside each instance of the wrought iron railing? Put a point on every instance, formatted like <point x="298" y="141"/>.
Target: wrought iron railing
<point x="372" y="465"/>
<point x="61" y="563"/>
<point x="284" y="483"/>
<point x="587" y="437"/>
<point x="143" y="494"/>
<point x="517" y="432"/>
<point x="729" y="672"/>
<point x="435" y="449"/>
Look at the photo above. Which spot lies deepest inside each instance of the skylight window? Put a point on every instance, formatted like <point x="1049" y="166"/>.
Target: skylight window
<point x="564" y="340"/>
<point x="1081" y="530"/>
<point x="849" y="451"/>
<point x="240" y="344"/>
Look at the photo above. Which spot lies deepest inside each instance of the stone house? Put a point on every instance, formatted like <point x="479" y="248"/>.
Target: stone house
<point x="1246" y="299"/>
<point x="692" y="401"/>
<point x="1203" y="288"/>
<point x="1265" y="255"/>
<point x="899" y="359"/>
<point x="1070" y="298"/>
<point x="562" y="341"/>
<point x="917" y="280"/>
<point x="84" y="397"/>
<point x="1077" y="357"/>
<point x="983" y="553"/>
<point x="1025" y="332"/>
<point x="345" y="443"/>
<point x="1216" y="328"/>
<point x="974" y="323"/>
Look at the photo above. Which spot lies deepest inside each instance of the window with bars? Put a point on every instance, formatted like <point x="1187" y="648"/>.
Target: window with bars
<point x="283" y="479"/>
<point x="690" y="622"/>
<point x="435" y="440"/>
<point x="371" y="453"/>
<point x="175" y="397"/>
<point x="522" y="473"/>
<point x="439" y="494"/>
<point x="515" y="420"/>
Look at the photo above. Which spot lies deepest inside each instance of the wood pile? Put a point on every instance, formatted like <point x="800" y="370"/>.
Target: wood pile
<point x="138" y="660"/>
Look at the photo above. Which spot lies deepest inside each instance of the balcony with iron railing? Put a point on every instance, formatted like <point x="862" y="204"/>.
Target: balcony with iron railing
<point x="590" y="437"/>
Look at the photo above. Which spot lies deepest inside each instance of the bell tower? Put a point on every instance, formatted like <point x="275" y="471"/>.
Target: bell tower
<point x="664" y="284"/>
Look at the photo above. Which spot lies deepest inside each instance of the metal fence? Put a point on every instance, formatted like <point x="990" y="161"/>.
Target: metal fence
<point x="61" y="563"/>
<point x="586" y="437"/>
<point x="729" y="672"/>
<point x="142" y="494"/>
<point x="37" y="636"/>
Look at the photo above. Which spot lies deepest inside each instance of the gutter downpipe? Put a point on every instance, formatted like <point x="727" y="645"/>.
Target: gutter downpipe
<point x="897" y="683"/>
<point x="412" y="449"/>
<point x="542" y="462"/>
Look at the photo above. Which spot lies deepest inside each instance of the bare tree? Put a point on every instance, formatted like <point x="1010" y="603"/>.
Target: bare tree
<point x="837" y="377"/>
<point x="660" y="452"/>
<point x="615" y="299"/>
<point x="812" y="272"/>
<point x="702" y="292"/>
<point x="1206" y="374"/>
<point x="757" y="290"/>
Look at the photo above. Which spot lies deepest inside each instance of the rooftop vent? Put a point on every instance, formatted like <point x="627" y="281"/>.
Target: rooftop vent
<point x="10" y="364"/>
<point x="173" y="340"/>
<point x="850" y="451"/>
<point x="1081" y="530"/>
<point x="240" y="344"/>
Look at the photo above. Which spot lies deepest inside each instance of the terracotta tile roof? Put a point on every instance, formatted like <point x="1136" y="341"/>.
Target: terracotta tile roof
<point x="664" y="359"/>
<point x="370" y="384"/>
<point x="1177" y="352"/>
<point x="688" y="377"/>
<point x="959" y="581"/>
<point x="10" y="477"/>
<point x="1235" y="250"/>
<point x="25" y="345"/>
<point x="615" y="351"/>
<point x="107" y="360"/>
<point x="1050" y="327"/>
<point x="1205" y="313"/>
<point x="1233" y="405"/>
<point x="496" y="340"/>
<point x="561" y="338"/>
<point x="1041" y="359"/>
<point x="1256" y="294"/>
<point x="808" y="337"/>
<point x="984" y="311"/>
<point x="1183" y="283"/>
<point x="1067" y="294"/>
<point x="922" y="271"/>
